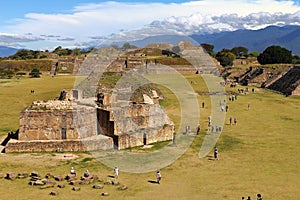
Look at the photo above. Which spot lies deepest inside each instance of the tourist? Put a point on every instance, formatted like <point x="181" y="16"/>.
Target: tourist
<point x="248" y="106"/>
<point x="216" y="153"/>
<point x="86" y="174"/>
<point x="116" y="172"/>
<point x="249" y="198"/>
<point x="72" y="171"/>
<point x="235" y="121"/>
<point x="203" y="104"/>
<point x="252" y="90"/>
<point x="259" y="197"/>
<point x="198" y="129"/>
<point x="158" y="177"/>
<point x="226" y="108"/>
<point x="230" y="120"/>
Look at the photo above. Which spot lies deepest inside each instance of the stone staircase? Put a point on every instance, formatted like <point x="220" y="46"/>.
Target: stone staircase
<point x="201" y="60"/>
<point x="288" y="82"/>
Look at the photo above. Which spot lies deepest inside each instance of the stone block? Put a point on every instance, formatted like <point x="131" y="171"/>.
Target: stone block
<point x="98" y="186"/>
<point x="34" y="174"/>
<point x="58" y="178"/>
<point x="61" y="185"/>
<point x="54" y="192"/>
<point x="11" y="175"/>
<point x="104" y="194"/>
<point x="76" y="188"/>
<point x="122" y="187"/>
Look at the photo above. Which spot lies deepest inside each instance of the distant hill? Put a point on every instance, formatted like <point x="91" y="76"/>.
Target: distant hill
<point x="171" y="39"/>
<point x="255" y="40"/>
<point x="7" y="51"/>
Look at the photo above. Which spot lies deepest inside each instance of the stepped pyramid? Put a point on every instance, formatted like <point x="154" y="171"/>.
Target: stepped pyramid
<point x="197" y="56"/>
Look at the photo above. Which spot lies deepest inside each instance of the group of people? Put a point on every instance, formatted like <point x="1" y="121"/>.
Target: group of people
<point x="212" y="128"/>
<point x="259" y="197"/>
<point x="86" y="174"/>
<point x="232" y="121"/>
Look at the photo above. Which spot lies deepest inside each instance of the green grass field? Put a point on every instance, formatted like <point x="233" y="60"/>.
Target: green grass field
<point x="259" y="155"/>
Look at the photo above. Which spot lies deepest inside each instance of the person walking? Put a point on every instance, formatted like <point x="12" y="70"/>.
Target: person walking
<point x="158" y="177"/>
<point x="248" y="106"/>
<point x="230" y="120"/>
<point x="235" y="121"/>
<point x="216" y="153"/>
<point x="116" y="172"/>
<point x="198" y="129"/>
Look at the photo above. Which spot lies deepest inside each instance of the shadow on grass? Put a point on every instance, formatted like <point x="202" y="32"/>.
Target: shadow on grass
<point x="210" y="158"/>
<point x="153" y="182"/>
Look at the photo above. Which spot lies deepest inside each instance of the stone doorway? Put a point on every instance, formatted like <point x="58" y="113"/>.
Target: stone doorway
<point x="63" y="133"/>
<point x="145" y="139"/>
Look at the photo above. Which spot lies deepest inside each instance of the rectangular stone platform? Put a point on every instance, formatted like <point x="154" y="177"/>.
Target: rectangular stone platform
<point x="99" y="142"/>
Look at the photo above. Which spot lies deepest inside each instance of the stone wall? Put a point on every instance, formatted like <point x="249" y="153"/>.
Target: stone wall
<point x="288" y="83"/>
<point x="296" y="92"/>
<point x="136" y="125"/>
<point x="145" y="136"/>
<point x="77" y="123"/>
<point x="95" y="143"/>
<point x="106" y="124"/>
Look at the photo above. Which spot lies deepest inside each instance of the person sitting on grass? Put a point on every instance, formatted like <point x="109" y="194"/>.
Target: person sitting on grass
<point x="86" y="174"/>
<point x="72" y="171"/>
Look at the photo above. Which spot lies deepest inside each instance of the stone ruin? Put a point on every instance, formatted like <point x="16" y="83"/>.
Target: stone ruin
<point x="285" y="81"/>
<point x="63" y="124"/>
<point x="72" y="123"/>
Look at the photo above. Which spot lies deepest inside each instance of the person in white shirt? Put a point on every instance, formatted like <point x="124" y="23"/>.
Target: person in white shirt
<point x="116" y="172"/>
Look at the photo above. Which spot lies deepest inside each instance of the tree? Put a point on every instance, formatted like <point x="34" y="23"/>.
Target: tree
<point x="225" y="57"/>
<point x="209" y="48"/>
<point x="127" y="46"/>
<point x="254" y="54"/>
<point x="24" y="54"/>
<point x="275" y="54"/>
<point x="240" y="51"/>
<point x="35" y="73"/>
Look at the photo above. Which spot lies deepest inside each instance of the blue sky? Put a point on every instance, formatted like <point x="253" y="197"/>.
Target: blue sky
<point x="42" y="25"/>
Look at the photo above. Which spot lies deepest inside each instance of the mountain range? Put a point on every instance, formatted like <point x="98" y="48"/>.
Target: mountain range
<point x="7" y="51"/>
<point x="254" y="40"/>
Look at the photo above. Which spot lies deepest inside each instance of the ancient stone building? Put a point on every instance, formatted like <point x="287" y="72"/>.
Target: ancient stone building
<point x="64" y="124"/>
<point x="71" y="123"/>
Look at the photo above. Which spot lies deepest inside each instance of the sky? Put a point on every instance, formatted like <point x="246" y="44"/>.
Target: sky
<point x="41" y="25"/>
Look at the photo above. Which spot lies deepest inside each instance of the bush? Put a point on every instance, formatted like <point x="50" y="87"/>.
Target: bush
<point x="35" y="73"/>
<point x="275" y="55"/>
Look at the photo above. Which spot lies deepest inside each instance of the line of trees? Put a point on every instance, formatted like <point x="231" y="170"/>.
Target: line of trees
<point x="271" y="55"/>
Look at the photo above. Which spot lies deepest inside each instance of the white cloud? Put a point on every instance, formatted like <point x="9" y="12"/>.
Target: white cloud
<point x="7" y="39"/>
<point x="103" y="19"/>
<point x="199" y="23"/>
